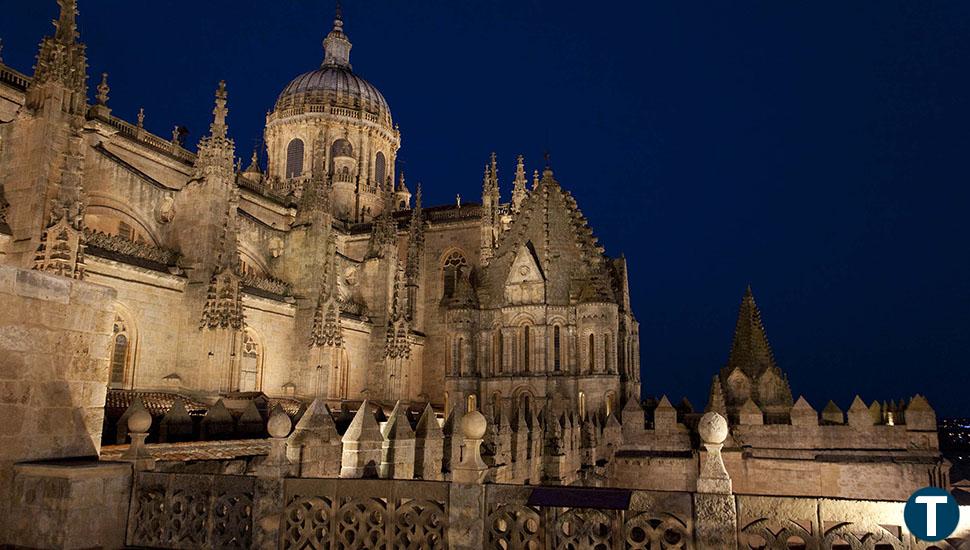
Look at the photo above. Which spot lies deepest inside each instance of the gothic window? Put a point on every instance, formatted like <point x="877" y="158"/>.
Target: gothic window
<point x="526" y="348"/>
<point x="556" y="349"/>
<point x="380" y="169"/>
<point x="591" y="352"/>
<point x="120" y="353"/>
<point x="294" y="159"/>
<point x="455" y="263"/>
<point x="249" y="366"/>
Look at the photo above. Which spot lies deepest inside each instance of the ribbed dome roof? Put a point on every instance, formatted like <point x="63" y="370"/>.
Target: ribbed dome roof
<point x="333" y="85"/>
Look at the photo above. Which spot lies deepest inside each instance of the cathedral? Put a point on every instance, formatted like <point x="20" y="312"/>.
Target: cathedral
<point x="320" y="274"/>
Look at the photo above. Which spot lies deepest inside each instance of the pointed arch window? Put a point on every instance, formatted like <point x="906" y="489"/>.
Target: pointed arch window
<point x="251" y="358"/>
<point x="120" y="353"/>
<point x="454" y="264"/>
<point x="294" y="158"/>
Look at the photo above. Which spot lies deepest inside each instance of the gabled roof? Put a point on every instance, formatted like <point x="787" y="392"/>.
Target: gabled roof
<point x="550" y="224"/>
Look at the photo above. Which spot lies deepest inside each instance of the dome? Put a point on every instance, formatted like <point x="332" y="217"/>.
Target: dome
<point x="333" y="85"/>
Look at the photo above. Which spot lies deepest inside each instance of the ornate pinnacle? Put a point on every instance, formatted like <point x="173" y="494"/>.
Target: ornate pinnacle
<point x="141" y="117"/>
<point x="66" y="25"/>
<point x="218" y="127"/>
<point x="336" y="45"/>
<point x="103" y="90"/>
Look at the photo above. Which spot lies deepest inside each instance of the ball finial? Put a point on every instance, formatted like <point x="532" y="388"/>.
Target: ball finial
<point x="473" y="425"/>
<point x="713" y="428"/>
<point x="140" y="421"/>
<point x="279" y="423"/>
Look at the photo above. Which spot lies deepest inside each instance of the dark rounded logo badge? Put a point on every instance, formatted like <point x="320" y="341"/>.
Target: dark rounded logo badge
<point x="931" y="514"/>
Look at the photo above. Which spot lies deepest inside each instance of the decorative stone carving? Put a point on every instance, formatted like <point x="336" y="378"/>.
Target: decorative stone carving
<point x="165" y="212"/>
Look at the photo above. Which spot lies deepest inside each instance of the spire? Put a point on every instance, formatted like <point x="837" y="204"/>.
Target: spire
<point x="66" y="24"/>
<point x="326" y="329"/>
<point x="415" y="240"/>
<point x="519" y="191"/>
<point x="61" y="60"/>
<point x="218" y="127"/>
<point x="336" y="45"/>
<point x="384" y="229"/>
<point x="750" y="350"/>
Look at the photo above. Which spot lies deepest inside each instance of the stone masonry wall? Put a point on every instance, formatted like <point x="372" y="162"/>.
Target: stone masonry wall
<point x="54" y="348"/>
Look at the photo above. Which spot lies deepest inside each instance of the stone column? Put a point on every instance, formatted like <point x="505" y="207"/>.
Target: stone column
<point x="716" y="521"/>
<point x="268" y="498"/>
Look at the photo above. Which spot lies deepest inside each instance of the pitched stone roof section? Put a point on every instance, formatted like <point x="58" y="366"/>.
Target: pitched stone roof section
<point x="564" y="246"/>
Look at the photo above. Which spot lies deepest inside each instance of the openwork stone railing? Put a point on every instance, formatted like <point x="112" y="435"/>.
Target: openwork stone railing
<point x="191" y="511"/>
<point x="13" y="77"/>
<point x="654" y="520"/>
<point x="323" y="109"/>
<point x="143" y="136"/>
<point x="120" y="245"/>
<point x="334" y="513"/>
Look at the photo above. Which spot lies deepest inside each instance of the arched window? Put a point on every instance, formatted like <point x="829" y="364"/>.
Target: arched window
<point x="120" y="353"/>
<point x="499" y="349"/>
<point x="471" y="403"/>
<point x="591" y="352"/>
<point x="380" y="169"/>
<point x="582" y="404"/>
<point x="452" y="270"/>
<point x="610" y="402"/>
<point x="556" y="349"/>
<point x="341" y="148"/>
<point x="526" y="348"/>
<point x="249" y="365"/>
<point x="294" y="159"/>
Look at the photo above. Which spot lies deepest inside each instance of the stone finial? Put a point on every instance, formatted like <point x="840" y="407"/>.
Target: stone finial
<point x="859" y="414"/>
<point x="397" y="452"/>
<point x="713" y="478"/>
<point x="176" y="425"/>
<point x="103" y="90"/>
<point x="802" y="414"/>
<point x="139" y="423"/>
<point x="471" y="469"/>
<point x="279" y="423"/>
<point x="250" y="423"/>
<point x="750" y="414"/>
<point x="314" y="443"/>
<point x="276" y="464"/>
<point x="832" y="414"/>
<point x="362" y="445"/>
<point x="136" y="405"/>
<point x="920" y="415"/>
<point x="428" y="446"/>
<point x="217" y="422"/>
<point x="664" y="416"/>
<point x="141" y="117"/>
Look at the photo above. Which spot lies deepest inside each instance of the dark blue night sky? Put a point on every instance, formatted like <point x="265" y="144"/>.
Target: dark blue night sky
<point x="817" y="150"/>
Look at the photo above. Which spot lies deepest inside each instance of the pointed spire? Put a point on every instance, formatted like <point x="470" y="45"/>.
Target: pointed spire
<point x="519" y="191"/>
<point x="415" y="240"/>
<point x="750" y="350"/>
<point x="715" y="402"/>
<point x="218" y="127"/>
<point x="66" y="24"/>
<point x="428" y="424"/>
<point x="336" y="45"/>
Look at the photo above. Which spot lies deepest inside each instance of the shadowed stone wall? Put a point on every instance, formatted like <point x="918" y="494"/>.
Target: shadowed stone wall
<point x="54" y="348"/>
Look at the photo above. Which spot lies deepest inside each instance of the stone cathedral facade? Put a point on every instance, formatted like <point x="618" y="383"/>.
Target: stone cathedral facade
<point x="320" y="274"/>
